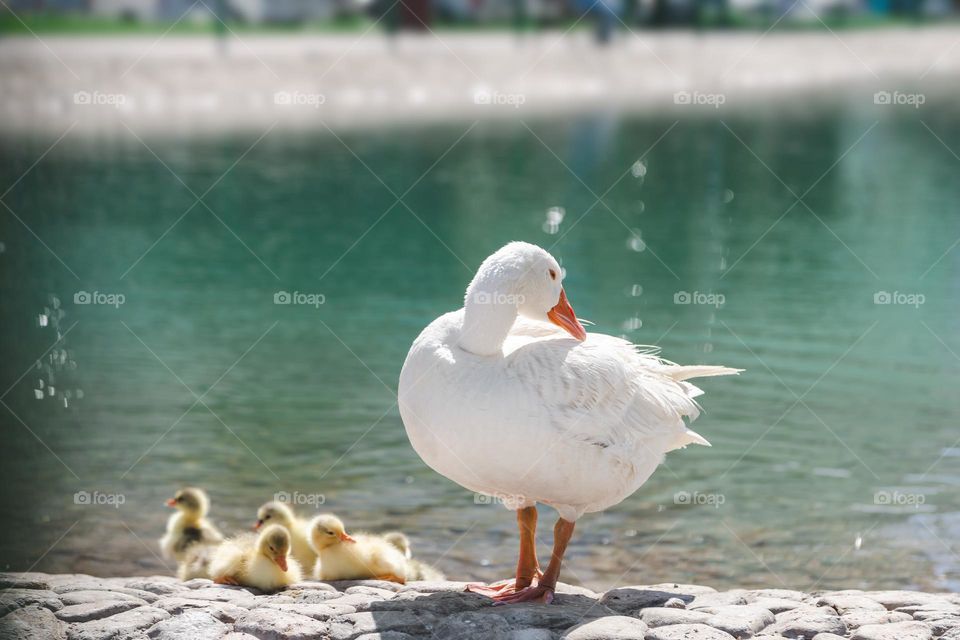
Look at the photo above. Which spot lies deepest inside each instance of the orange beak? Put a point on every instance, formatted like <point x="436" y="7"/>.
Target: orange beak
<point x="563" y="316"/>
<point x="172" y="502"/>
<point x="346" y="537"/>
<point x="257" y="524"/>
<point x="281" y="562"/>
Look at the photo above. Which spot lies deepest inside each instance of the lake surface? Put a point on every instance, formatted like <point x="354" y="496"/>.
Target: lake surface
<point x="835" y="458"/>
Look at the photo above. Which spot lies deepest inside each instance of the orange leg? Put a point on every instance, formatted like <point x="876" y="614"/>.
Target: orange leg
<point x="543" y="590"/>
<point x="528" y="569"/>
<point x="226" y="580"/>
<point x="391" y="577"/>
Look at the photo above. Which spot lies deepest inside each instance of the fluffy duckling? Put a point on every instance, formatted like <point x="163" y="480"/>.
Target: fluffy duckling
<point x="189" y="525"/>
<point x="196" y="563"/>
<point x="344" y="557"/>
<point x="416" y="570"/>
<point x="261" y="561"/>
<point x="279" y="513"/>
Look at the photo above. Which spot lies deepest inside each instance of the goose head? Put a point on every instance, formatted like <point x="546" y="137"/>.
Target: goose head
<point x="274" y="512"/>
<point x="274" y="543"/>
<point x="190" y="501"/>
<point x="326" y="530"/>
<point x="519" y="279"/>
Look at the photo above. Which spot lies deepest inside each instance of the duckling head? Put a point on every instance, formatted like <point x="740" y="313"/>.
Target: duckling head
<point x="274" y="513"/>
<point x="326" y="530"/>
<point x="274" y="542"/>
<point x="191" y="501"/>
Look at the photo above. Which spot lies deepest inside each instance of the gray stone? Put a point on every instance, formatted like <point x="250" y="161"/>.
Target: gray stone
<point x="675" y="603"/>
<point x="530" y="634"/>
<point x="608" y="628"/>
<point x="931" y="610"/>
<point x="159" y="585"/>
<point x="359" y="601"/>
<point x="238" y="597"/>
<point x="440" y="602"/>
<point x="16" y="598"/>
<point x="663" y="616"/>
<point x="807" y="621"/>
<point x="344" y="585"/>
<point x="856" y="619"/>
<point x="766" y="637"/>
<point x="311" y="596"/>
<point x="687" y="632"/>
<point x="377" y="592"/>
<point x="776" y="605"/>
<point x="896" y="599"/>
<point x="312" y="586"/>
<point x="843" y="603"/>
<point x="87" y="611"/>
<point x="741" y="621"/>
<point x="198" y="583"/>
<point x="827" y="636"/>
<point x="631" y="599"/>
<point x="386" y="635"/>
<point x="191" y="625"/>
<point x="435" y="587"/>
<point x="535" y="614"/>
<point x="786" y="594"/>
<point x="89" y="597"/>
<point x="895" y="631"/>
<point x="123" y="626"/>
<point x="322" y="611"/>
<point x="269" y="624"/>
<point x="31" y="622"/>
<point x="952" y="634"/>
<point x="355" y="624"/>
<point x="720" y="599"/>
<point x="23" y="581"/>
<point x="943" y="625"/>
<point x="222" y="611"/>
<point x="473" y="625"/>
<point x="234" y="635"/>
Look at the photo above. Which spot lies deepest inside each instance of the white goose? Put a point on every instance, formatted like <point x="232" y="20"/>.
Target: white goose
<point x="498" y="398"/>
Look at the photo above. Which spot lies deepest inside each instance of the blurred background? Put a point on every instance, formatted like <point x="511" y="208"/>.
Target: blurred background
<point x="223" y="222"/>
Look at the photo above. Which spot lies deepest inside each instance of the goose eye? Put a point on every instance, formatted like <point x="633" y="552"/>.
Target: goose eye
<point x="553" y="274"/>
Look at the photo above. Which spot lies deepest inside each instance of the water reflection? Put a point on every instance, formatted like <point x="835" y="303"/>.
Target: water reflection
<point x="301" y="397"/>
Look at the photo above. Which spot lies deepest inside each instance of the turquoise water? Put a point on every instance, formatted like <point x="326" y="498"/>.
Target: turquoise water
<point x="852" y="484"/>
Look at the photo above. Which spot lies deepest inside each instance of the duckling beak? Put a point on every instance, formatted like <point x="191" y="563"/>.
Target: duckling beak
<point x="346" y="537"/>
<point x="281" y="562"/>
<point x="172" y="502"/>
<point x="257" y="524"/>
<point x="563" y="316"/>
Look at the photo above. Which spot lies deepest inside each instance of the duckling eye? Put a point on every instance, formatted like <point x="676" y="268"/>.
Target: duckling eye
<point x="328" y="532"/>
<point x="553" y="274"/>
<point x="266" y="517"/>
<point x="179" y="498"/>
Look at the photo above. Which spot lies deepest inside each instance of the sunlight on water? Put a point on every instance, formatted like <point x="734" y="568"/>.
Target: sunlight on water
<point x="833" y="456"/>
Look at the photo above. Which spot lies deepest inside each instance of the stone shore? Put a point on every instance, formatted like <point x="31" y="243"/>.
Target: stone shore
<point x="81" y="607"/>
